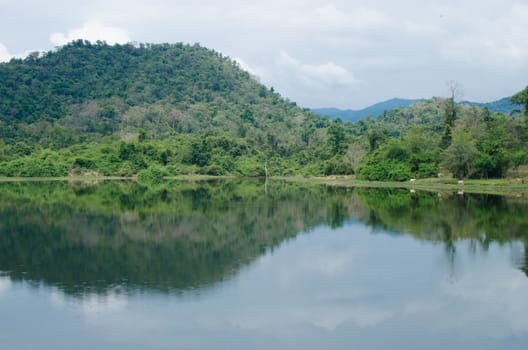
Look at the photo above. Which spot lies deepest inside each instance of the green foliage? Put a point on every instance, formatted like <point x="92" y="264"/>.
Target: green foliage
<point x="385" y="170"/>
<point x="200" y="153"/>
<point x="460" y="155"/>
<point x="376" y="135"/>
<point x="398" y="160"/>
<point x="425" y="170"/>
<point x="337" y="166"/>
<point x="118" y="110"/>
<point x="153" y="174"/>
<point x="522" y="99"/>
<point x="474" y="143"/>
<point x="493" y="159"/>
<point x="449" y="116"/>
<point x="336" y="137"/>
<point x="45" y="164"/>
<point x="249" y="167"/>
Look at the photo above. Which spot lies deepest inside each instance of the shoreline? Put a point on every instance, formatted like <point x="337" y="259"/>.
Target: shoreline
<point x="490" y="186"/>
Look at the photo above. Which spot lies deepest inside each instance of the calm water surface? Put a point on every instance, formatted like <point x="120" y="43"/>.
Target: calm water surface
<point x="243" y="265"/>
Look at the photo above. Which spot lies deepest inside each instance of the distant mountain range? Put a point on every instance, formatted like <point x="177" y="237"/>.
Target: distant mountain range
<point x="503" y="105"/>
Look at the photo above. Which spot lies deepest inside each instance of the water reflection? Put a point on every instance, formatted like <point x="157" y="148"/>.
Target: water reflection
<point x="230" y="265"/>
<point x="4" y="285"/>
<point x="176" y="237"/>
<point x="94" y="239"/>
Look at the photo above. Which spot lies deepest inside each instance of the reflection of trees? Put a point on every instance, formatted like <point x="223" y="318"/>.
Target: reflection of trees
<point x="174" y="237"/>
<point x="446" y="219"/>
<point x="180" y="236"/>
<point x="524" y="266"/>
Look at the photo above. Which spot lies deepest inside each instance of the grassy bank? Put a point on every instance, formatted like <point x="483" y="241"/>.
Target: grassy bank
<point x="510" y="186"/>
<point x="492" y="186"/>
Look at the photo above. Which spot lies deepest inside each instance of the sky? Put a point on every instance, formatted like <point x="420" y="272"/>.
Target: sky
<point x="344" y="54"/>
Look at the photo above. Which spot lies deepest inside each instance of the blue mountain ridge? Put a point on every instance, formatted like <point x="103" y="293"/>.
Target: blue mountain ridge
<point x="502" y="105"/>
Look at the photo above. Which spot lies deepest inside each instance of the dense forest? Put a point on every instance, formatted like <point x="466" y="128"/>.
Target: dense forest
<point x="154" y="110"/>
<point x="440" y="135"/>
<point x="166" y="109"/>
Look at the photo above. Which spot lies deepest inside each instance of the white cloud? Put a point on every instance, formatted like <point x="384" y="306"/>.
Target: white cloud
<point x="4" y="53"/>
<point x="325" y="75"/>
<point x="406" y="48"/>
<point x="257" y="72"/>
<point x="92" y="31"/>
<point x="98" y="304"/>
<point x="495" y="40"/>
<point x="358" y="19"/>
<point x="505" y="297"/>
<point x="57" y="297"/>
<point x="5" y="284"/>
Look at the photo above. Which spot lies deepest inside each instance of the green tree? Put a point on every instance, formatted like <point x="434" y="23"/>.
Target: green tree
<point x="423" y="158"/>
<point x="450" y="114"/>
<point x="200" y="152"/>
<point x="142" y="136"/>
<point x="521" y="98"/>
<point x="493" y="158"/>
<point x="376" y="135"/>
<point x="459" y="156"/>
<point x="336" y="137"/>
<point x="389" y="162"/>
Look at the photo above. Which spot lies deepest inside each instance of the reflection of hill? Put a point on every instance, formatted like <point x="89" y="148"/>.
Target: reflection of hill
<point x="173" y="238"/>
<point x="182" y="236"/>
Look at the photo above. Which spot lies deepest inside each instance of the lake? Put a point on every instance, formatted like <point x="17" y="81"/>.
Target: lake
<point x="253" y="265"/>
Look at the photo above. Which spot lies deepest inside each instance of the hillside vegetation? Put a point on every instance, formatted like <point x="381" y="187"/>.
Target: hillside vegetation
<point x="165" y="109"/>
<point x="157" y="110"/>
<point x="439" y="135"/>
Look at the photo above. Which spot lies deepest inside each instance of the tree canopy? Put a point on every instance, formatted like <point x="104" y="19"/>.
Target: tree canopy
<point x="118" y="110"/>
<point x="171" y="109"/>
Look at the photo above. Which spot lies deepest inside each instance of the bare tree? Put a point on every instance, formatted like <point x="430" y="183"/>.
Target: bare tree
<point x="450" y="112"/>
<point x="455" y="90"/>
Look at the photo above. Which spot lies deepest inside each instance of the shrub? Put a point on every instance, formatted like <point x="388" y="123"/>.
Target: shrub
<point x="337" y="166"/>
<point x="388" y="170"/>
<point x="153" y="174"/>
<point x="427" y="170"/>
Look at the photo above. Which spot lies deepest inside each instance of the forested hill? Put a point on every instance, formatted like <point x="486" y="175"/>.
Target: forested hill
<point x="167" y="108"/>
<point x="504" y="105"/>
<point x="375" y="110"/>
<point x="440" y="136"/>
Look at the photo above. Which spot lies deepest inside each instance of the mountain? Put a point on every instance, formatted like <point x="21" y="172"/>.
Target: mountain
<point x="93" y="108"/>
<point x="503" y="105"/>
<point x="375" y="110"/>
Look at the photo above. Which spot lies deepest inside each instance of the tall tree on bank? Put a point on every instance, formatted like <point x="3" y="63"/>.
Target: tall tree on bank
<point x="336" y="137"/>
<point x="450" y="113"/>
<point x="522" y="98"/>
